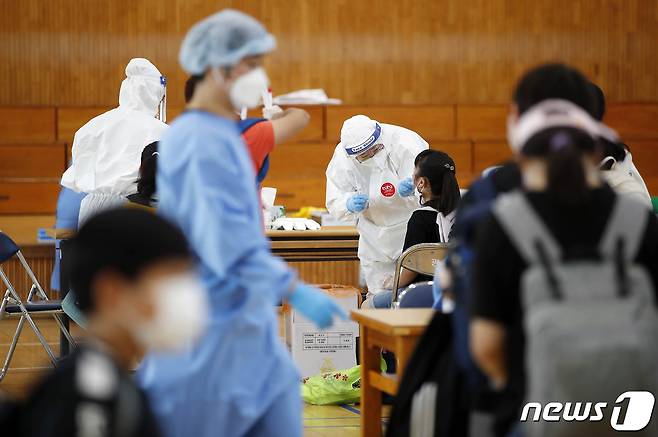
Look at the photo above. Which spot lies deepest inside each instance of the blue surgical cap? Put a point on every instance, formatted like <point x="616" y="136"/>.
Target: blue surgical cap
<point x="223" y="40"/>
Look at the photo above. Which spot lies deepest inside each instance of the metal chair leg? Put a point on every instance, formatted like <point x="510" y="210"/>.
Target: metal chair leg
<point x="65" y="331"/>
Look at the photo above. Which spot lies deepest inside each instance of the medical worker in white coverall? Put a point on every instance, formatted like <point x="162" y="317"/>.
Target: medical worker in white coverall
<point x="369" y="178"/>
<point x="107" y="150"/>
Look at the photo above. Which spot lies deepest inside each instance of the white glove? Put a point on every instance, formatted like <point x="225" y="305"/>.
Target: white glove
<point x="298" y="224"/>
<point x="271" y="111"/>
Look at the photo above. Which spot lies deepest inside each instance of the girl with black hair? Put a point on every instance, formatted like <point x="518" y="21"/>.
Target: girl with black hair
<point x="438" y="194"/>
<point x="556" y="142"/>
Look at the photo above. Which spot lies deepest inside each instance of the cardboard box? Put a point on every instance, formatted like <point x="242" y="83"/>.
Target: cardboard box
<point x="320" y="351"/>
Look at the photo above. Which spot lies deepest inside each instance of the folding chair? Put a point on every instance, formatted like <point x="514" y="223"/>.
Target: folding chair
<point x="13" y="306"/>
<point x="422" y="259"/>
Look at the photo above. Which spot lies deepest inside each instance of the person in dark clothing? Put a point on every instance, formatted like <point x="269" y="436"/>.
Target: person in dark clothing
<point x="132" y="273"/>
<point x="559" y="168"/>
<point x="146" y="185"/>
<point x="438" y="192"/>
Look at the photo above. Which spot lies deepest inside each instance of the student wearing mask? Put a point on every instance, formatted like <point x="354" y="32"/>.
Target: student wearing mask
<point x="556" y="144"/>
<point x="438" y="193"/>
<point x="369" y="179"/>
<point x="132" y="272"/>
<point x="239" y="380"/>
<point x="262" y="134"/>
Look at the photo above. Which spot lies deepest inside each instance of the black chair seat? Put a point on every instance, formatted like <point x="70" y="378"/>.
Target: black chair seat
<point x="35" y="307"/>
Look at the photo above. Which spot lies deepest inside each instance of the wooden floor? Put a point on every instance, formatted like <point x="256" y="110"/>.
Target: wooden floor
<point x="338" y="421"/>
<point x="30" y="361"/>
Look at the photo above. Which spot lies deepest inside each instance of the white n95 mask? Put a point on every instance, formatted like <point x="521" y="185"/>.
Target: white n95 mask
<point x="247" y="89"/>
<point x="181" y="315"/>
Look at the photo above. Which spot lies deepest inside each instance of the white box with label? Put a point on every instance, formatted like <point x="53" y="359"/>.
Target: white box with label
<point x="317" y="351"/>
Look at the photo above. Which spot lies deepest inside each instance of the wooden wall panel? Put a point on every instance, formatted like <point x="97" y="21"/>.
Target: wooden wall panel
<point x="486" y="154"/>
<point x="315" y="129"/>
<point x="482" y="122"/>
<point x="462" y="153"/>
<point x="430" y="122"/>
<point x="644" y="157"/>
<point x="634" y="121"/>
<point x="70" y="119"/>
<point x="32" y="160"/>
<point x="298" y="172"/>
<point x="28" y="197"/>
<point x="27" y="124"/>
<point x="72" y="52"/>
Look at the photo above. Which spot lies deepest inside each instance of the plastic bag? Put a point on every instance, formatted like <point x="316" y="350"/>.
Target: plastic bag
<point x="334" y="388"/>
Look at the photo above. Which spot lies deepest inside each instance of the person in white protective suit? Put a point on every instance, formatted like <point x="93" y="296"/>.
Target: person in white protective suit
<point x="368" y="178"/>
<point x="617" y="166"/>
<point x="107" y="149"/>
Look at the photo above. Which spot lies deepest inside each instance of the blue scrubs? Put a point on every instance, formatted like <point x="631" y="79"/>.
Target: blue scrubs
<point x="68" y="209"/>
<point x="231" y="382"/>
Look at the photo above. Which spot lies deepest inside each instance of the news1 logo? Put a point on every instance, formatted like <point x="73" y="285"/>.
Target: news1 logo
<point x="631" y="412"/>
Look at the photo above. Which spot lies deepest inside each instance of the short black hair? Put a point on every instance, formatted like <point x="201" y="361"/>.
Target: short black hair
<point x="124" y="240"/>
<point x="555" y="81"/>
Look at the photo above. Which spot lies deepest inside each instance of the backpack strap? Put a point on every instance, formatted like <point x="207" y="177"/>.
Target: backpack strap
<point x="530" y="236"/>
<point x="525" y="229"/>
<point x="627" y="223"/>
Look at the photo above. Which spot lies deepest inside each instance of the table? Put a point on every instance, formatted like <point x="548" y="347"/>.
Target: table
<point x="328" y="255"/>
<point x="396" y="330"/>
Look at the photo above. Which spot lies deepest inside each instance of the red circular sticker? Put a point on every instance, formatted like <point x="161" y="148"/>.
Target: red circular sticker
<point x="388" y="189"/>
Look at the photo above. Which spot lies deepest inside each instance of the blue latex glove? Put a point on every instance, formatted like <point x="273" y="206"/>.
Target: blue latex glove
<point x="406" y="187"/>
<point x="357" y="203"/>
<point x="315" y="305"/>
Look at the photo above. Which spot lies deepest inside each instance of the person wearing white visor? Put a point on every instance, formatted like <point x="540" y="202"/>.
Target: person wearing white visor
<point x="239" y="380"/>
<point x="107" y="149"/>
<point x="369" y="178"/>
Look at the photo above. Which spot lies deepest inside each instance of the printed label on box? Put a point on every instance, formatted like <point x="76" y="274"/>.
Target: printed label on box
<point x="328" y="341"/>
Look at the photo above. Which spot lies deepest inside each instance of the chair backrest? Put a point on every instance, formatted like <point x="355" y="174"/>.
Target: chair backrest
<point x="421" y="258"/>
<point x="7" y="247"/>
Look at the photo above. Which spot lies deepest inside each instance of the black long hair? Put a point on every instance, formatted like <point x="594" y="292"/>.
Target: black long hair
<point x="439" y="169"/>
<point x="563" y="148"/>
<point x="146" y="186"/>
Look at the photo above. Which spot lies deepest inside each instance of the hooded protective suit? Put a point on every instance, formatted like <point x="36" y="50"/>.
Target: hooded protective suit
<point x="107" y="149"/>
<point x="382" y="226"/>
<point x="625" y="179"/>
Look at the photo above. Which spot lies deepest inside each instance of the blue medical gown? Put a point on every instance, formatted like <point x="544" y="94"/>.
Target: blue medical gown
<point x="222" y="385"/>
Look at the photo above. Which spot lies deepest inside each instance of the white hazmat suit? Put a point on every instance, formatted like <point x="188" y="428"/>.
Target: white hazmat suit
<point x="382" y="225"/>
<point x="107" y="149"/>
